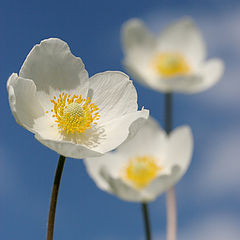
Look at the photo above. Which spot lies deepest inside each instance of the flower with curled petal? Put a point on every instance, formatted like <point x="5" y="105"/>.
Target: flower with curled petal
<point x="72" y="114"/>
<point x="145" y="166"/>
<point x="174" y="61"/>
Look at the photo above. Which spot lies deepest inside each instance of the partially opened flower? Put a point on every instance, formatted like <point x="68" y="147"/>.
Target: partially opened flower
<point x="76" y="116"/>
<point x="174" y="61"/>
<point x="145" y="166"/>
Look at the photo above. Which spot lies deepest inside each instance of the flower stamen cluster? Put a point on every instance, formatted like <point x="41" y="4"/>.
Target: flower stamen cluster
<point x="140" y="171"/>
<point x="73" y="113"/>
<point x="170" y="64"/>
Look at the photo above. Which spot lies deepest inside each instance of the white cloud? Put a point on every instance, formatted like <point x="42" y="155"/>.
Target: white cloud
<point x="215" y="227"/>
<point x="218" y="227"/>
<point x="219" y="172"/>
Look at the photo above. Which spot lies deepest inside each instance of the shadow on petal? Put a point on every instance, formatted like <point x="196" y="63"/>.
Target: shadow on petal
<point x="90" y="138"/>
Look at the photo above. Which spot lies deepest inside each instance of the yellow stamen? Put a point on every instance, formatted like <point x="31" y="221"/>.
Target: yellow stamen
<point x="140" y="171"/>
<point x="74" y="114"/>
<point x="171" y="64"/>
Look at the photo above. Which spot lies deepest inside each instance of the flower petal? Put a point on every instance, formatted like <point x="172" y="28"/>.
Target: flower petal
<point x="142" y="71"/>
<point x="145" y="74"/>
<point x="139" y="45"/>
<point x="113" y="93"/>
<point x="136" y="38"/>
<point x="180" y="148"/>
<point x="23" y="101"/>
<point x="181" y="84"/>
<point x="149" y="140"/>
<point x="92" y="143"/>
<point x="163" y="182"/>
<point x="184" y="37"/>
<point x="123" y="190"/>
<point x="178" y="157"/>
<point x="210" y="73"/>
<point x="112" y="163"/>
<point x="118" y="130"/>
<point x="67" y="148"/>
<point x="51" y="64"/>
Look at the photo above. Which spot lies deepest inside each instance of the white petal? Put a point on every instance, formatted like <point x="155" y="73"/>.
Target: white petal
<point x="113" y="93"/>
<point x="11" y="95"/>
<point x="141" y="70"/>
<point x="149" y="140"/>
<point x="136" y="38"/>
<point x="118" y="130"/>
<point x="23" y="101"/>
<point x="105" y="171"/>
<point x="180" y="148"/>
<point x="177" y="159"/>
<point x="163" y="182"/>
<point x="46" y="127"/>
<point x="124" y="191"/>
<point x="184" y="37"/>
<point x="67" y="148"/>
<point x="93" y="142"/>
<point x="144" y="73"/>
<point x="51" y="64"/>
<point x="181" y="84"/>
<point x="210" y="73"/>
<point x="139" y="46"/>
<point x="112" y="162"/>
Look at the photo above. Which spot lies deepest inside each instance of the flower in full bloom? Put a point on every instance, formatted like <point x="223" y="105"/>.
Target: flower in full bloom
<point x="174" y="61"/>
<point x="74" y="115"/>
<point x="145" y="166"/>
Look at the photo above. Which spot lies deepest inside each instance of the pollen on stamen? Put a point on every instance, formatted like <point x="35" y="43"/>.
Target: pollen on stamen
<point x="170" y="64"/>
<point x="140" y="171"/>
<point x="73" y="113"/>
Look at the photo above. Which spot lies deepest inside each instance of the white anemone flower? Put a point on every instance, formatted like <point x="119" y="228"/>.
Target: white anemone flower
<point x="174" y="61"/>
<point x="145" y="166"/>
<point x="71" y="114"/>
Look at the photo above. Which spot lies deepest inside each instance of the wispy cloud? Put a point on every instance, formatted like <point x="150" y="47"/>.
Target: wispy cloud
<point x="217" y="227"/>
<point x="219" y="173"/>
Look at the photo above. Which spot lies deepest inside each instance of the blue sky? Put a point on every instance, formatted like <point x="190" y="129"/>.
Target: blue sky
<point x="208" y="195"/>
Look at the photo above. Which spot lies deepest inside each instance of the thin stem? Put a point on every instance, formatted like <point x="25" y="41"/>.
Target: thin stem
<point x="146" y="221"/>
<point x="171" y="198"/>
<point x="53" y="203"/>
<point x="168" y="112"/>
<point x="171" y="215"/>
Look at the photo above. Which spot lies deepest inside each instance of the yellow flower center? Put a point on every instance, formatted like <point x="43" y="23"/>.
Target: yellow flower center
<point x="74" y="114"/>
<point x="140" y="171"/>
<point x="170" y="64"/>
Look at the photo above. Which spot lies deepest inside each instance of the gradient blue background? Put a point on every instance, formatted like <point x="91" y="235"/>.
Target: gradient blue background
<point x="208" y="195"/>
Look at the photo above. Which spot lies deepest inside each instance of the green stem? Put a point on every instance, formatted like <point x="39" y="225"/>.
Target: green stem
<point x="146" y="221"/>
<point x="54" y="196"/>
<point x="171" y="197"/>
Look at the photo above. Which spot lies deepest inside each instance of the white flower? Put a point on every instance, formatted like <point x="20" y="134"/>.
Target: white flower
<point x="172" y="62"/>
<point x="145" y="166"/>
<point x="75" y="116"/>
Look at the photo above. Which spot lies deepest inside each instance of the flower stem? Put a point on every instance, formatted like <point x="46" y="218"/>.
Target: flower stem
<point x="168" y="112"/>
<point x="53" y="203"/>
<point x="171" y="214"/>
<point x="146" y="221"/>
<point x="171" y="198"/>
